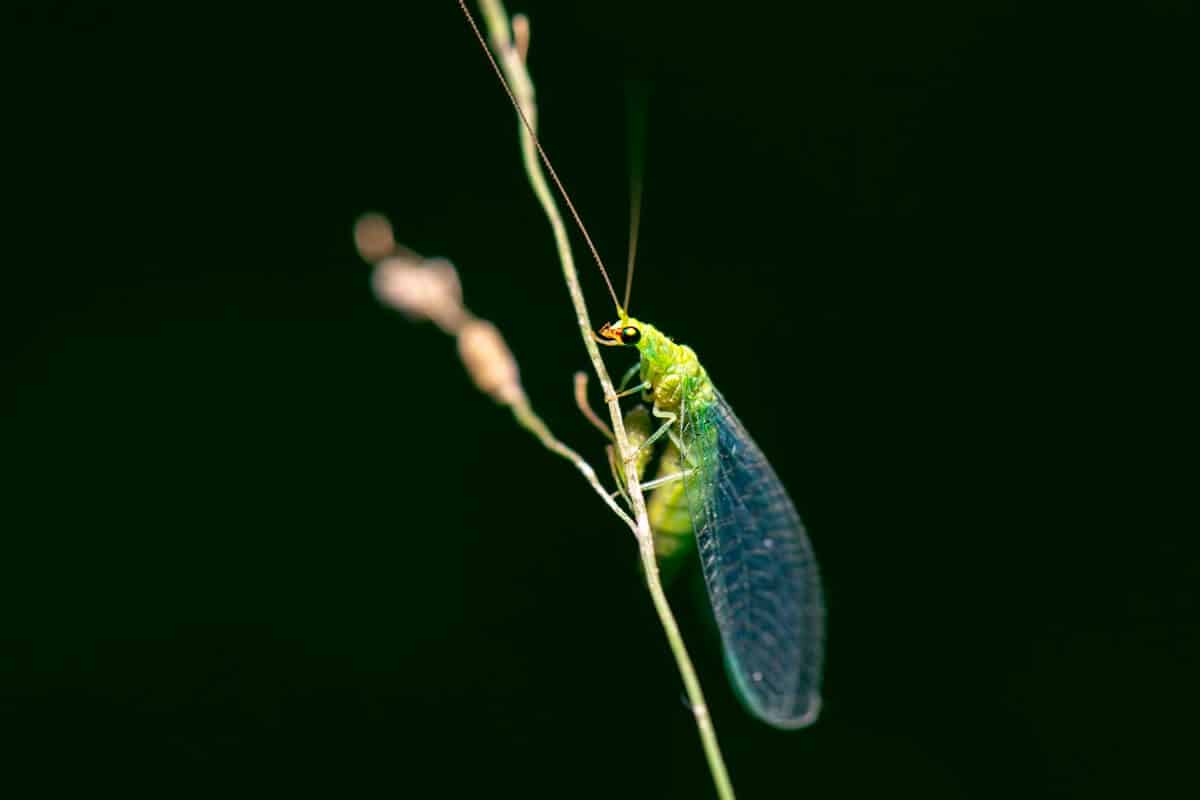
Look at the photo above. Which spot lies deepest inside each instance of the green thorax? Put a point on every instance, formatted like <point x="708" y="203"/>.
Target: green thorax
<point x="671" y="369"/>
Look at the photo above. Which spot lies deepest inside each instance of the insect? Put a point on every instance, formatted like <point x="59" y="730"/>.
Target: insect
<point x="762" y="577"/>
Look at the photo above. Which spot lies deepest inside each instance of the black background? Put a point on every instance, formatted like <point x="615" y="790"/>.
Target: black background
<point x="264" y="536"/>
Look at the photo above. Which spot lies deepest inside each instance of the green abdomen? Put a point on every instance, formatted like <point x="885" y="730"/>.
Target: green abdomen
<point x="667" y="508"/>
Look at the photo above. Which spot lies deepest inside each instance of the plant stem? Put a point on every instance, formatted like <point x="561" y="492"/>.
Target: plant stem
<point x="524" y="414"/>
<point x="513" y="66"/>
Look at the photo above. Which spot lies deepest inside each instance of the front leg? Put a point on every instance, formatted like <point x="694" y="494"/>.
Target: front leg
<point x="621" y="391"/>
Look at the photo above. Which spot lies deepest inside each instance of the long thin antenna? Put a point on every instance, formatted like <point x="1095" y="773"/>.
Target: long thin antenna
<point x="545" y="159"/>
<point x="635" y="209"/>
<point x="636" y="138"/>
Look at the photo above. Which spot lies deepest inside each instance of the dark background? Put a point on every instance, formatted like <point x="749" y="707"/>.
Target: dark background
<point x="264" y="536"/>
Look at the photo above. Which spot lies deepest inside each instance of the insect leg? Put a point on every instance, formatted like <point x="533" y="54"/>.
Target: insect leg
<point x="634" y="390"/>
<point x="629" y="376"/>
<point x="670" y="418"/>
<point x="674" y="476"/>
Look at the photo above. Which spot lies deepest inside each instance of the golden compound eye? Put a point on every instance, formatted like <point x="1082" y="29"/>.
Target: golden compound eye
<point x="630" y="335"/>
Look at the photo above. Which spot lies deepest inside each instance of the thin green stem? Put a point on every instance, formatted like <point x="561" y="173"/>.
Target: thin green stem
<point x="531" y="422"/>
<point x="518" y="81"/>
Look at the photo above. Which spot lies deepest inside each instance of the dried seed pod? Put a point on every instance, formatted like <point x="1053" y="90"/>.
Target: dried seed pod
<point x="373" y="237"/>
<point x="423" y="290"/>
<point x="489" y="361"/>
<point x="520" y="29"/>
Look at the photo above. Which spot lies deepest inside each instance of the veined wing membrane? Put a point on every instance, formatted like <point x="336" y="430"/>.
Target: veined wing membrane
<point x="762" y="577"/>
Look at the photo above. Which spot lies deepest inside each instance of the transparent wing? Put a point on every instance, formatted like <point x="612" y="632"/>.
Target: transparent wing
<point x="762" y="576"/>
